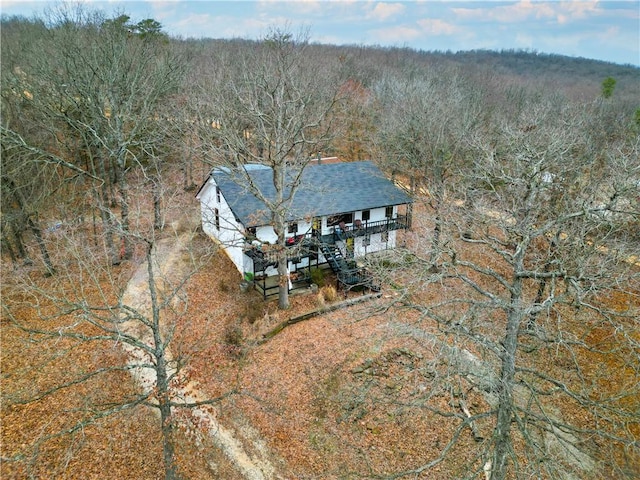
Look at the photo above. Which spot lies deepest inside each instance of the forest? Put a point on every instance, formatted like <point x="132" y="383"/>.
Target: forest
<point x="505" y="341"/>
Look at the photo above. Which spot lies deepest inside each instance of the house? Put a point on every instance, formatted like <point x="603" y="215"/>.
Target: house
<point x="339" y="213"/>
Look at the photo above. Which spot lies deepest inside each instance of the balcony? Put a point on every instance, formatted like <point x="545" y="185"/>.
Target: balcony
<point x="360" y="229"/>
<point x="266" y="255"/>
<point x="306" y="245"/>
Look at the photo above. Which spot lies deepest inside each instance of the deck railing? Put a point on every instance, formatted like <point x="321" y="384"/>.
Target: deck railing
<point x="305" y="245"/>
<point x="264" y="255"/>
<point x="359" y="229"/>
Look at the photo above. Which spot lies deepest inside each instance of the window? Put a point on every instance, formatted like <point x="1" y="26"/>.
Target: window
<point x="336" y="219"/>
<point x="366" y="215"/>
<point x="217" y="194"/>
<point x="388" y="211"/>
<point x="217" y="215"/>
<point x="293" y="228"/>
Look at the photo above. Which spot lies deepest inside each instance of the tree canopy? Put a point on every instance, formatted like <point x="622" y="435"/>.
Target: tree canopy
<point x="509" y="311"/>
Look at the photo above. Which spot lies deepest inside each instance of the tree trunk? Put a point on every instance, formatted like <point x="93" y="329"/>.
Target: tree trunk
<point x="127" y="247"/>
<point x="43" y="248"/>
<point x="26" y="217"/>
<point x="112" y="181"/>
<point x="16" y="232"/>
<point x="188" y="174"/>
<point x="502" y="433"/>
<point x="435" y="241"/>
<point x="542" y="283"/>
<point x="105" y="213"/>
<point x="157" y="205"/>
<point x="280" y="228"/>
<point x="6" y="245"/>
<point x="437" y="206"/>
<point x="542" y="287"/>
<point x="166" y="419"/>
<point x="162" y="376"/>
<point x="283" y="279"/>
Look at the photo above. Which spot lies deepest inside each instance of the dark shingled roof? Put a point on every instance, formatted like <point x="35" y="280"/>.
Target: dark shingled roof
<point x="326" y="189"/>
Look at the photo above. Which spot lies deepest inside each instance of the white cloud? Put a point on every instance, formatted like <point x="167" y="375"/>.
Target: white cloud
<point x="589" y="28"/>
<point x="329" y="39"/>
<point x="511" y="13"/>
<point x="299" y="7"/>
<point x="609" y="33"/>
<point x="383" y="11"/>
<point x="527" y="10"/>
<point x="436" y="26"/>
<point x="568" y="11"/>
<point x="194" y="22"/>
<point x="580" y="9"/>
<point x="9" y="3"/>
<point x="395" y="35"/>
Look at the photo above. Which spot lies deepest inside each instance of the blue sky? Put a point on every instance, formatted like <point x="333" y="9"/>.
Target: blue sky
<point x="605" y="30"/>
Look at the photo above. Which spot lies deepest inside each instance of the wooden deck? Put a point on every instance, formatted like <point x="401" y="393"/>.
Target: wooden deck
<point x="300" y="282"/>
<point x="309" y="246"/>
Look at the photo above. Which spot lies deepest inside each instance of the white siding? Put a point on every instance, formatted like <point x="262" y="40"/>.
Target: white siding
<point x="376" y="242"/>
<point x="266" y="234"/>
<point x="219" y="222"/>
<point x="376" y="214"/>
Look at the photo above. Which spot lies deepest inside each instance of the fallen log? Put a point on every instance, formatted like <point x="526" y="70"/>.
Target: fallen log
<point x="306" y="316"/>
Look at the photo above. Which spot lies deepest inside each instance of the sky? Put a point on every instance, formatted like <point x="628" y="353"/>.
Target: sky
<point x="606" y="30"/>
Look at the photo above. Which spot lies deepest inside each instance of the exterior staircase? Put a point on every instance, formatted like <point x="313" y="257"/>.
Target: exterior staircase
<point x="334" y="257"/>
<point x="349" y="276"/>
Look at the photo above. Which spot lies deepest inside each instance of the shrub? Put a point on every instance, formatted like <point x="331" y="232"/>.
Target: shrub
<point x="329" y="293"/>
<point x="233" y="335"/>
<point x="253" y="314"/>
<point x="317" y="276"/>
<point x="233" y="339"/>
<point x="320" y="300"/>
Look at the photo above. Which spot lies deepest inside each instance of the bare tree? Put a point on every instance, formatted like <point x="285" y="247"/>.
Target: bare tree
<point x="95" y="87"/>
<point x="89" y="304"/>
<point x="26" y="184"/>
<point x="424" y="127"/>
<point x="20" y="216"/>
<point x="269" y="106"/>
<point x="545" y="285"/>
<point x="82" y="111"/>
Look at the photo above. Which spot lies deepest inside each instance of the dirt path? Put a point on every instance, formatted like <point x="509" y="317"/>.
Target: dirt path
<point x="167" y="255"/>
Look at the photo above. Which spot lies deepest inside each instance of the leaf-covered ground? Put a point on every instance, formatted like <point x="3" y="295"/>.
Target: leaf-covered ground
<point x="337" y="396"/>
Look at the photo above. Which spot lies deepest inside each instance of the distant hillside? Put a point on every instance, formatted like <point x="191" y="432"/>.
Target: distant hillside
<point x="581" y="77"/>
<point x="577" y="76"/>
<point x="533" y="63"/>
<point x="537" y="65"/>
<point x="511" y="62"/>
